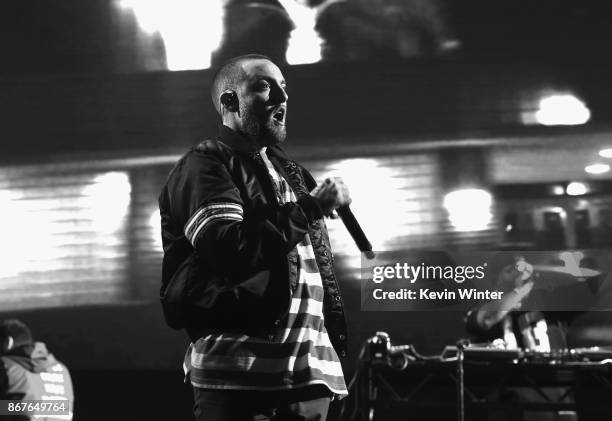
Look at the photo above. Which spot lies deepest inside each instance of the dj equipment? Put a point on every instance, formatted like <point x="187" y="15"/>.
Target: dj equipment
<point x="477" y="379"/>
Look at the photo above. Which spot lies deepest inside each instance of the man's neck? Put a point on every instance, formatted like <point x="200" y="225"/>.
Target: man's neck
<point x="239" y="140"/>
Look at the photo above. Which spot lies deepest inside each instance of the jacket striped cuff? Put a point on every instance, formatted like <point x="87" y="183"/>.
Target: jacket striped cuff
<point x="212" y="212"/>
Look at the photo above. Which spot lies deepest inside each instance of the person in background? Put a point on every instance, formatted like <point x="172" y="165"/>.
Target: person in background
<point x="29" y="372"/>
<point x="513" y="322"/>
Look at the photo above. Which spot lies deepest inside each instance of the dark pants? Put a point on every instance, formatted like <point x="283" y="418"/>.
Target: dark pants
<point x="308" y="404"/>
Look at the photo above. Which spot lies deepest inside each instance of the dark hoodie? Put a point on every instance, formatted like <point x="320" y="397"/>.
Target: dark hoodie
<point x="34" y="374"/>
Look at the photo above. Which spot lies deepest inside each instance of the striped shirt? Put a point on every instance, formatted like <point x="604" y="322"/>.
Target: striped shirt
<point x="300" y="354"/>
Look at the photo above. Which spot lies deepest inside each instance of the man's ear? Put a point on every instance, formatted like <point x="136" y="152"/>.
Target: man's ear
<point x="229" y="100"/>
<point x="7" y="344"/>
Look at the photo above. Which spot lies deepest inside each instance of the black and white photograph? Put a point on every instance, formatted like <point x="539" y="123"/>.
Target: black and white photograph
<point x="342" y="210"/>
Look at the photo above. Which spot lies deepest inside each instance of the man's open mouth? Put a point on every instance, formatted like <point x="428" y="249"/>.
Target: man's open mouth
<point x="279" y="115"/>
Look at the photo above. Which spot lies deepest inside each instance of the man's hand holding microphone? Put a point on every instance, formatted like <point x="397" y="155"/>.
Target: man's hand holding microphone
<point x="333" y="195"/>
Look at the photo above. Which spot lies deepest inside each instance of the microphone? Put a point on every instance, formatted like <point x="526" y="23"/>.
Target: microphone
<point x="355" y="230"/>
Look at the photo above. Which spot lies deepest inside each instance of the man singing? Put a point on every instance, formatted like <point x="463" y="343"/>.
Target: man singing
<point x="242" y="224"/>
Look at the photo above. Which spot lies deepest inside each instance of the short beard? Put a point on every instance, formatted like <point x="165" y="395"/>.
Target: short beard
<point x="264" y="133"/>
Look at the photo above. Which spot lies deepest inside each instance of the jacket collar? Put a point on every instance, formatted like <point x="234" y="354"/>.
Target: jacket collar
<point x="236" y="141"/>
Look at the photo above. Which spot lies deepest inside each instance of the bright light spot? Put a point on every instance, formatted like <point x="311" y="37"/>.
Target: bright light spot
<point x="155" y="225"/>
<point x="597" y="168"/>
<point x="38" y="231"/>
<point x="509" y="227"/>
<point x="469" y="209"/>
<point x="606" y="153"/>
<point x="14" y="244"/>
<point x="556" y="209"/>
<point x="108" y="200"/>
<point x="61" y="231"/>
<point x="304" y="42"/>
<point x="385" y="212"/>
<point x="563" y="109"/>
<point x="32" y="233"/>
<point x="583" y="204"/>
<point x="558" y="190"/>
<point x="450" y="44"/>
<point x="147" y="13"/>
<point x="576" y="189"/>
<point x="7" y="197"/>
<point x="191" y="29"/>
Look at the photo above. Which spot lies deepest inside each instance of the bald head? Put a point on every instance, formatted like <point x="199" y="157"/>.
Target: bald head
<point x="250" y="94"/>
<point x="229" y="75"/>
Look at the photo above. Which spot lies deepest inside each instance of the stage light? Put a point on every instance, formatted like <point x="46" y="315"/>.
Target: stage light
<point x="147" y="13"/>
<point x="155" y="226"/>
<point x="562" y="109"/>
<point x="469" y="209"/>
<point x="14" y="241"/>
<point x="556" y="209"/>
<point x="33" y="231"/>
<point x="191" y="29"/>
<point x="386" y="202"/>
<point x="606" y="153"/>
<point x="597" y="168"/>
<point x="576" y="189"/>
<point x="304" y="41"/>
<point x="558" y="190"/>
<point x="66" y="235"/>
<point x="378" y="210"/>
<point x="55" y="226"/>
<point x="107" y="200"/>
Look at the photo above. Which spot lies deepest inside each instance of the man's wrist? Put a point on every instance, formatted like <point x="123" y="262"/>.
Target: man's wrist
<point x="311" y="207"/>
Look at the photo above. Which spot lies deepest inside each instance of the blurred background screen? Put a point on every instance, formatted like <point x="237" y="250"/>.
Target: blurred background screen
<point x="472" y="124"/>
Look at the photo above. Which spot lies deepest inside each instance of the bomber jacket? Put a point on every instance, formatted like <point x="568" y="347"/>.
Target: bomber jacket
<point x="225" y="234"/>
